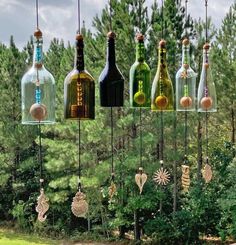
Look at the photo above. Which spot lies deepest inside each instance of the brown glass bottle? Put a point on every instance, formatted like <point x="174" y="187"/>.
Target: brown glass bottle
<point x="79" y="88"/>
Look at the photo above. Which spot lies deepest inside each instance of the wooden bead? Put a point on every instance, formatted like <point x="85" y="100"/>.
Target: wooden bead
<point x="38" y="111"/>
<point x="206" y="65"/>
<point x="79" y="37"/>
<point x="162" y="43"/>
<point x="111" y="34"/>
<point x="186" y="101"/>
<point x="38" y="34"/>
<point x="185" y="42"/>
<point x="206" y="103"/>
<point x="140" y="37"/>
<point x="186" y="66"/>
<point x="161" y="101"/>
<point x="206" y="46"/>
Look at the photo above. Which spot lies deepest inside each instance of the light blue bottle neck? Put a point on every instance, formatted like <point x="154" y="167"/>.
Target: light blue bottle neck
<point x="38" y="52"/>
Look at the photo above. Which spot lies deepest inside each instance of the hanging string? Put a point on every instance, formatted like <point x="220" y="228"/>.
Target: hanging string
<point x="79" y="17"/>
<point x="79" y="157"/>
<point x="139" y="16"/>
<point x="206" y="5"/>
<point x="40" y="158"/>
<point x="112" y="145"/>
<point x="162" y="138"/>
<point x="141" y="137"/>
<point x="37" y="14"/>
<point x="186" y="17"/>
<point x="110" y="15"/>
<point x="162" y="19"/>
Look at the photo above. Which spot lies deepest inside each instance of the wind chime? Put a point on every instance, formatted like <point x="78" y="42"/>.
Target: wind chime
<point x="140" y="93"/>
<point x="162" y="99"/>
<point x="79" y="104"/>
<point x="111" y="87"/>
<point x="207" y="101"/>
<point x="38" y="105"/>
<point x="185" y="98"/>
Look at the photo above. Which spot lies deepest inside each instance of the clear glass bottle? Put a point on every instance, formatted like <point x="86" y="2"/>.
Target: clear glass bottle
<point x="111" y="81"/>
<point x="140" y="78"/>
<point x="162" y="95"/>
<point x="185" y="82"/>
<point x="79" y="88"/>
<point x="38" y="89"/>
<point x="207" y="101"/>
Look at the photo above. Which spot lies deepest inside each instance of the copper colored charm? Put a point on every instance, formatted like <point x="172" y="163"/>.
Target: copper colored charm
<point x="185" y="178"/>
<point x="161" y="101"/>
<point x="207" y="173"/>
<point x="140" y="179"/>
<point x="206" y="103"/>
<point x="42" y="206"/>
<point x="186" y="101"/>
<point x="79" y="206"/>
<point x="38" y="111"/>
<point x="112" y="190"/>
<point x="162" y="176"/>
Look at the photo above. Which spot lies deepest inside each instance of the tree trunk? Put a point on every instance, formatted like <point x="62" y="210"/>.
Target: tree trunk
<point x="136" y="227"/>
<point x="233" y="124"/>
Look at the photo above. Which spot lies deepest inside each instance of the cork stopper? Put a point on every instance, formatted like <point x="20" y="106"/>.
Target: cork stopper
<point x="38" y="34"/>
<point x="185" y="42"/>
<point x="162" y="43"/>
<point x="140" y="37"/>
<point x="206" y="46"/>
<point x="140" y="169"/>
<point x="111" y="34"/>
<point x="79" y="37"/>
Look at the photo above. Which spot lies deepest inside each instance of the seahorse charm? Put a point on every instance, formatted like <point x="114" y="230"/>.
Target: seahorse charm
<point x="185" y="178"/>
<point x="79" y="206"/>
<point x="42" y="206"/>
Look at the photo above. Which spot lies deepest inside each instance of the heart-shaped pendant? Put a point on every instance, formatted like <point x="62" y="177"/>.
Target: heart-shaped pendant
<point x="140" y="179"/>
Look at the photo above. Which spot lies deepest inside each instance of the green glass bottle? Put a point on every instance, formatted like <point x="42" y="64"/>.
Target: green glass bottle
<point x="162" y="95"/>
<point x="140" y="78"/>
<point x="79" y="88"/>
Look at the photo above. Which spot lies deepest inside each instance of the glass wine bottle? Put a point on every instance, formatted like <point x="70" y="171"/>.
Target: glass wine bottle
<point x="207" y="101"/>
<point x="38" y="89"/>
<point x="185" y="82"/>
<point x="111" y="81"/>
<point x="162" y="95"/>
<point x="79" y="88"/>
<point x="140" y="78"/>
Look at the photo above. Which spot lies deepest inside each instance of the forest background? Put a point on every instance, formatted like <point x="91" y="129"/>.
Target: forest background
<point x="166" y="215"/>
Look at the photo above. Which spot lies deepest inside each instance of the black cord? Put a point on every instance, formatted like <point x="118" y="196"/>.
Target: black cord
<point x="162" y="138"/>
<point x="37" y="14"/>
<point x="112" y="146"/>
<point x="162" y="19"/>
<point x="206" y="125"/>
<point x="141" y="137"/>
<point x="79" y="157"/>
<point x="79" y="16"/>
<point x="110" y="13"/>
<point x="206" y="4"/>
<point x="186" y="18"/>
<point x="40" y="158"/>
<point x="139" y="17"/>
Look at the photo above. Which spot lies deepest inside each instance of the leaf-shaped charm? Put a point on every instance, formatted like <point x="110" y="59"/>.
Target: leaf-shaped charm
<point x="42" y="206"/>
<point x="207" y="173"/>
<point x="79" y="206"/>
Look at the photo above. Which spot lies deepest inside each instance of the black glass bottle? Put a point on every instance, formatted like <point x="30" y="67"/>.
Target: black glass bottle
<point x="111" y="81"/>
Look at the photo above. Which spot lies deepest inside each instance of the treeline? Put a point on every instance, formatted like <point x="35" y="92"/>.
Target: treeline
<point x="208" y="209"/>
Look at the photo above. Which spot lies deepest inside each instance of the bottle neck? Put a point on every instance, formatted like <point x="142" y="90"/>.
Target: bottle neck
<point x="111" y="54"/>
<point x="205" y="57"/>
<point x="162" y="58"/>
<point x="79" y="55"/>
<point x="140" y="51"/>
<point x="185" y="55"/>
<point x="38" y="53"/>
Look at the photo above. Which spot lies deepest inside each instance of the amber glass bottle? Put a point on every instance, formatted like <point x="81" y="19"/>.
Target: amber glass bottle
<point x="79" y="88"/>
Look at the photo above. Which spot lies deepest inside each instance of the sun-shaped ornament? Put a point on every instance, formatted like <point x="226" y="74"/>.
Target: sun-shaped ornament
<point x="161" y="176"/>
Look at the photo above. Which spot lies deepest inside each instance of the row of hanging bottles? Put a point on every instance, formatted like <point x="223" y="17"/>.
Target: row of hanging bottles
<point x="38" y="100"/>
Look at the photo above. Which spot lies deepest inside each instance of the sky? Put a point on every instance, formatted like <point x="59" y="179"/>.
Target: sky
<point x="58" y="18"/>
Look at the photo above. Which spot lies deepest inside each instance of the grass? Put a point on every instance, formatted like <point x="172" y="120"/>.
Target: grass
<point x="10" y="237"/>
